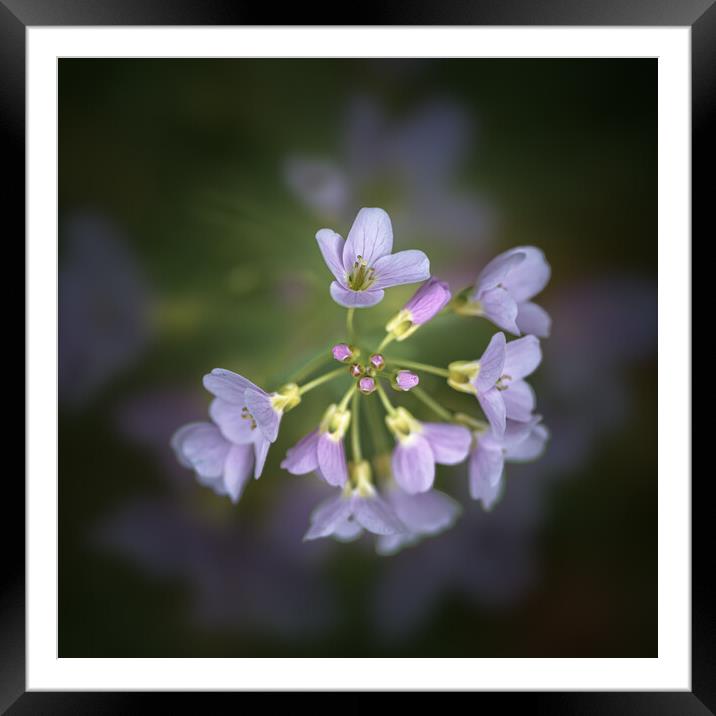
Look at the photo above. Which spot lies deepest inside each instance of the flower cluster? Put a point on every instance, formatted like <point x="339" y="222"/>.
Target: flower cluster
<point x="392" y="494"/>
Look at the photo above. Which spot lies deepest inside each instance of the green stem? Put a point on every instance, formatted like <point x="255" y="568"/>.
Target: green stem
<point x="438" y="409"/>
<point x="384" y="399"/>
<point x="355" y="430"/>
<point x="389" y="338"/>
<point x="321" y="380"/>
<point x="347" y="397"/>
<point x="308" y="368"/>
<point x="402" y="363"/>
<point x="349" y="324"/>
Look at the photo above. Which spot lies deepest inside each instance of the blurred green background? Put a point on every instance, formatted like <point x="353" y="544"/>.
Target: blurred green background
<point x="190" y="192"/>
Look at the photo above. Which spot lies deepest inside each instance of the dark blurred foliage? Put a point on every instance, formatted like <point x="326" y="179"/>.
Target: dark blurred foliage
<point x="190" y="192"/>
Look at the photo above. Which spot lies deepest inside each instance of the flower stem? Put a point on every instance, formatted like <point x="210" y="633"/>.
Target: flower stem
<point x="400" y="362"/>
<point x="305" y="370"/>
<point x="349" y="324"/>
<point x="321" y="380"/>
<point x="438" y="409"/>
<point x="384" y="399"/>
<point x="347" y="397"/>
<point x="389" y="338"/>
<point x="355" y="430"/>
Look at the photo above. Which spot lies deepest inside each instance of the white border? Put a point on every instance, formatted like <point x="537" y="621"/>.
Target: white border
<point x="671" y="670"/>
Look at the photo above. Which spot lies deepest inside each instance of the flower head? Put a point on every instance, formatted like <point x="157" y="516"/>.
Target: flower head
<point x="504" y="288"/>
<point x="358" y="507"/>
<point x="426" y="303"/>
<point x="363" y="265"/>
<point x="322" y="450"/>
<point x="520" y="442"/>
<point x="496" y="379"/>
<point x="420" y="445"/>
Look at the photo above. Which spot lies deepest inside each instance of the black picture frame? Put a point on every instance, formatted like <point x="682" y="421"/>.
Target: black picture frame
<point x="699" y="15"/>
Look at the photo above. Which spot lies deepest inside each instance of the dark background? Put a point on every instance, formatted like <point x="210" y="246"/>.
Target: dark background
<point x="184" y="245"/>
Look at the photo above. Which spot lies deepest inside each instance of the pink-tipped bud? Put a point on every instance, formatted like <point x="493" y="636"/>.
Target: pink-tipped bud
<point x="356" y="370"/>
<point x="405" y="380"/>
<point x="377" y="361"/>
<point x="366" y="384"/>
<point x="342" y="352"/>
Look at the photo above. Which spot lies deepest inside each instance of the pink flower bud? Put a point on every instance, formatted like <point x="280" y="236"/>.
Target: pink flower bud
<point x="342" y="352"/>
<point x="366" y="384"/>
<point x="405" y="380"/>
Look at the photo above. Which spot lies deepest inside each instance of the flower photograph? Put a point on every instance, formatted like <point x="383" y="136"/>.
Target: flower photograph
<point x="357" y="357"/>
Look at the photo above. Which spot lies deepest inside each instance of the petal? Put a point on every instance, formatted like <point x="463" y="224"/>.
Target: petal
<point x="520" y="401"/>
<point x="203" y="447"/>
<point x="302" y="458"/>
<point x="404" y="267"/>
<point x="332" y="460"/>
<point x="377" y="516"/>
<point x="231" y="421"/>
<point x="425" y="513"/>
<point x="328" y="516"/>
<point x="491" y="363"/>
<point x="485" y="471"/>
<point x="530" y="276"/>
<point x="531" y="448"/>
<point x="237" y="470"/>
<point x="522" y="357"/>
<point x="500" y="308"/>
<point x="266" y="416"/>
<point x="370" y="237"/>
<point x="450" y="443"/>
<point x="261" y="448"/>
<point x="533" y="319"/>
<point x="354" y="299"/>
<point x="486" y="464"/>
<point x="331" y="245"/>
<point x="495" y="272"/>
<point x="228" y="385"/>
<point x="493" y="405"/>
<point x="414" y="464"/>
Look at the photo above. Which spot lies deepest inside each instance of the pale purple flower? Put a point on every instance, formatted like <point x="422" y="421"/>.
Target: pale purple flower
<point x="355" y="509"/>
<point x="424" y="514"/>
<point x="420" y="446"/>
<point x="426" y="303"/>
<point x="405" y="380"/>
<point x="366" y="384"/>
<point x="363" y="265"/>
<point x="249" y="403"/>
<point x="504" y="288"/>
<point x="322" y="450"/>
<point x="520" y="442"/>
<point x="342" y="352"/>
<point x="223" y="466"/>
<point x="497" y="379"/>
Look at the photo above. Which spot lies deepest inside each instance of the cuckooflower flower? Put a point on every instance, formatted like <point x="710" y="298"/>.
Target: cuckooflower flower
<point x="421" y="445"/>
<point x="504" y="288"/>
<point x="322" y="450"/>
<point x="358" y="507"/>
<point x="363" y="265"/>
<point x="496" y="379"/>
<point x="521" y="442"/>
<point x="220" y="464"/>
<point x="426" y="303"/>
<point x="424" y="514"/>
<point x="249" y="402"/>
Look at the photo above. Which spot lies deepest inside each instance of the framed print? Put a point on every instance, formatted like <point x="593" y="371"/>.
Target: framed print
<point x="370" y="353"/>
